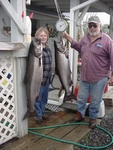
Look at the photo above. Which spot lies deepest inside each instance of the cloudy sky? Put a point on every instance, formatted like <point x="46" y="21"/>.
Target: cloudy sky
<point x="104" y="17"/>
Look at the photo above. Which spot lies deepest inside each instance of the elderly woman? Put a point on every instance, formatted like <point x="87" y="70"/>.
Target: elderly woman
<point x="42" y="33"/>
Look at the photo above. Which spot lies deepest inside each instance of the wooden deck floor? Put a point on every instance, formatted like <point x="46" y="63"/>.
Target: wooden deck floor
<point x="33" y="142"/>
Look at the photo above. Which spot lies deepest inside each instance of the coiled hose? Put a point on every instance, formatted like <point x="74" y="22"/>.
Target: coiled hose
<point x="31" y="130"/>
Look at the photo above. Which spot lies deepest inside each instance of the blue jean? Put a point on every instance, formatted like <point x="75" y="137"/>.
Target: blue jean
<point x="95" y="90"/>
<point x="42" y="100"/>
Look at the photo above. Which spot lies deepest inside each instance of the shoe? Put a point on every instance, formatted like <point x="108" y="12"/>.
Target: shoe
<point x="78" y="118"/>
<point x="45" y="117"/>
<point x="92" y="123"/>
<point x="39" y="121"/>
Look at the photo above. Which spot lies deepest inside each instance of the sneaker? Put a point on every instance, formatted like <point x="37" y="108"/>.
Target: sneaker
<point x="45" y="117"/>
<point x="92" y="123"/>
<point x="39" y="121"/>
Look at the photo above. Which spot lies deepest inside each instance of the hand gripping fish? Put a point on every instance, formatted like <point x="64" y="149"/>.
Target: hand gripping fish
<point x="34" y="74"/>
<point x="63" y="69"/>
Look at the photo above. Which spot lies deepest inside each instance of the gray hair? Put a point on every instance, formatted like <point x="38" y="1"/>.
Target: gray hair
<point x="41" y="29"/>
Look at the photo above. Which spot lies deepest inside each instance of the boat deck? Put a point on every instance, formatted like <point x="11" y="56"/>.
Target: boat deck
<point x="72" y="133"/>
<point x="35" y="142"/>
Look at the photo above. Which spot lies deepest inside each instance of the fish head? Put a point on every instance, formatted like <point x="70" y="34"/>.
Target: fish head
<point x="37" y="47"/>
<point x="59" y="46"/>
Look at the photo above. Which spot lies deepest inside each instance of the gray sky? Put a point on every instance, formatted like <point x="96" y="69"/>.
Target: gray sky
<point x="104" y="17"/>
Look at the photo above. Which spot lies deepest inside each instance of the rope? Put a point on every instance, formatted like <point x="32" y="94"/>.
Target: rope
<point x="31" y="130"/>
<point x="58" y="9"/>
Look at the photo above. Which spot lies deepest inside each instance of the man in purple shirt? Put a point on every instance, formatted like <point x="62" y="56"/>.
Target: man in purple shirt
<point x="96" y="51"/>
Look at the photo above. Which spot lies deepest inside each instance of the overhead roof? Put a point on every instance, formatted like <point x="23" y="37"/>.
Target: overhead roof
<point x="48" y="6"/>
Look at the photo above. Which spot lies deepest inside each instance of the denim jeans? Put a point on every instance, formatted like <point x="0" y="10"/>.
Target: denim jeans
<point x="42" y="100"/>
<point x="95" y="90"/>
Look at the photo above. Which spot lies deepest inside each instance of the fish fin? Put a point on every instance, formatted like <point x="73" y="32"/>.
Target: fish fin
<point x="27" y="115"/>
<point x="40" y="62"/>
<point x="51" y="83"/>
<point x="37" y="97"/>
<point x="60" y="91"/>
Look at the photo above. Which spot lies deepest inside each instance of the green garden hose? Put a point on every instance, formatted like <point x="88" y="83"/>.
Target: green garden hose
<point x="30" y="130"/>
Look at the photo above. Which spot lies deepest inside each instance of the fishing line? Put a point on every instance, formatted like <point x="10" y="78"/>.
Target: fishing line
<point x="31" y="130"/>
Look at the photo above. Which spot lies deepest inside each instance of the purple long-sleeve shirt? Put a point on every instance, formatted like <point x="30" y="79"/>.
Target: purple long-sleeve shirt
<point x="97" y="57"/>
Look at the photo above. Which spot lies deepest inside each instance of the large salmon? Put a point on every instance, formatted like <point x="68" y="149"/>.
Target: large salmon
<point x="63" y="69"/>
<point x="34" y="74"/>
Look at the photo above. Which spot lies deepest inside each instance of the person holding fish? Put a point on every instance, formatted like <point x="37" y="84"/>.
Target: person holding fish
<point x="42" y="33"/>
<point x="96" y="51"/>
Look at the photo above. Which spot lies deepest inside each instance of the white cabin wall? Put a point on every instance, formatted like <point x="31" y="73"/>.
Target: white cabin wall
<point x="3" y="37"/>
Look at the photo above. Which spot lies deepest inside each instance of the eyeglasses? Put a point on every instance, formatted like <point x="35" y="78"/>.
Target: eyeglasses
<point x="92" y="25"/>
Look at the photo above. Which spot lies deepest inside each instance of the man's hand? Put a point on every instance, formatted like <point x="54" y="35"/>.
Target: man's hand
<point x="67" y="36"/>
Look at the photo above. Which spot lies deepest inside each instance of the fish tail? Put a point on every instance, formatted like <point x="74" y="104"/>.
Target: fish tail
<point x="27" y="115"/>
<point x="68" y="97"/>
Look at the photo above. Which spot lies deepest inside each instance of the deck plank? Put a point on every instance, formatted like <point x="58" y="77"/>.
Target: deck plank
<point x="74" y="136"/>
<point x="34" y="142"/>
<point x="56" y="119"/>
<point x="26" y="141"/>
<point x="60" y="132"/>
